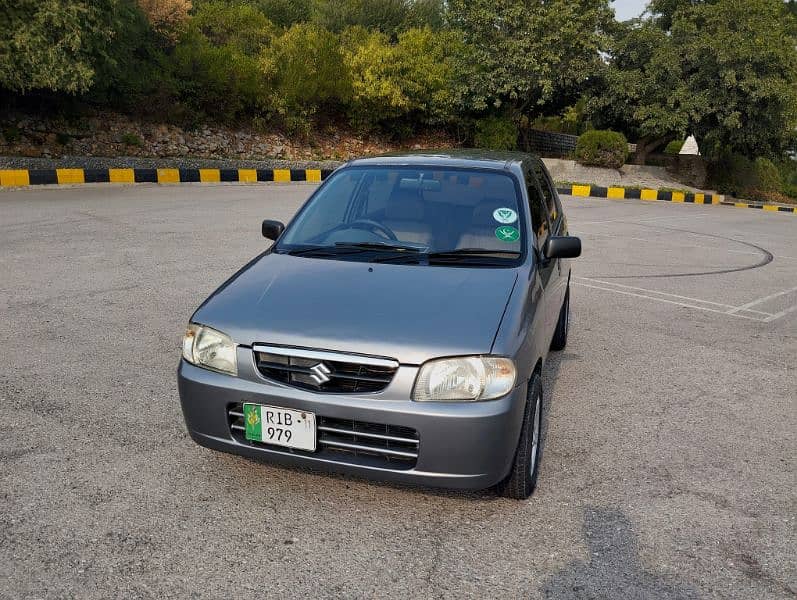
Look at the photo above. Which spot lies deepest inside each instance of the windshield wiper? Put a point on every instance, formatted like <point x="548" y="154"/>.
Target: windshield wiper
<point x="348" y="248"/>
<point x="379" y="246"/>
<point x="307" y="250"/>
<point x="473" y="252"/>
<point x="465" y="256"/>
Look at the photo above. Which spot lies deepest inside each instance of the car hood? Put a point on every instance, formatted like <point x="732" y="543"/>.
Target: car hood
<point x="408" y="312"/>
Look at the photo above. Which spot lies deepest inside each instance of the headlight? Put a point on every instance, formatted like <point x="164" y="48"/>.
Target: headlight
<point x="465" y="379"/>
<point x="208" y="348"/>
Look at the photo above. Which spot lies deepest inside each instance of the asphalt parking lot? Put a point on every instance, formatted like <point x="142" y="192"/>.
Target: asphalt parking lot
<point x="668" y="467"/>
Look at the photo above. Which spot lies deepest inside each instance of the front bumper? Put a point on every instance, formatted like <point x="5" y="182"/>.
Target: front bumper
<point x="461" y="445"/>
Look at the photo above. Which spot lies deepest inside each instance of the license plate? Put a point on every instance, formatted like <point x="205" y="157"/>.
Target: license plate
<point x="280" y="426"/>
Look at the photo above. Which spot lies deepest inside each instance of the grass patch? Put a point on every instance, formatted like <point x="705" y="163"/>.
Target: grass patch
<point x="131" y="139"/>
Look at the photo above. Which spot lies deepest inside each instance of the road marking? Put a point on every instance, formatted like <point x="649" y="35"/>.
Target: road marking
<point x="684" y="304"/>
<point x="698" y="300"/>
<point x="765" y="299"/>
<point x="782" y="313"/>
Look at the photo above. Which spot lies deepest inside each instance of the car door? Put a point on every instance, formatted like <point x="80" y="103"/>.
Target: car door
<point x="541" y="226"/>
<point x="557" y="285"/>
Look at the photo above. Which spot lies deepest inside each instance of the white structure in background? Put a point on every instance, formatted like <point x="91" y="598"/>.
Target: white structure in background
<point x="690" y="146"/>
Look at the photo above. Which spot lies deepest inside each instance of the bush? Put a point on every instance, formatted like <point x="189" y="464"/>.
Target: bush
<point x="766" y="176"/>
<point x="674" y="147"/>
<point x="602" y="148"/>
<point x="216" y="61"/>
<point x="402" y="85"/>
<point x="739" y="176"/>
<point x="788" y="174"/>
<point x="496" y="133"/>
<point x="306" y="70"/>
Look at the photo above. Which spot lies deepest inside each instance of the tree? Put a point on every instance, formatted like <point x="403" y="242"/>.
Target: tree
<point x="739" y="75"/>
<point x="53" y="44"/>
<point x="528" y="51"/>
<point x="725" y="71"/>
<point x="135" y="70"/>
<point x="386" y="16"/>
<point x="640" y="93"/>
<point x="285" y="13"/>
<point x="167" y="17"/>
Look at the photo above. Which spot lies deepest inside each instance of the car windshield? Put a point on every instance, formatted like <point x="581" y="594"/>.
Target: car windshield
<point x="424" y="211"/>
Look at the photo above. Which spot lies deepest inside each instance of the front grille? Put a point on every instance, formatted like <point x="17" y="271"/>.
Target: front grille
<point x="341" y="374"/>
<point x="347" y="441"/>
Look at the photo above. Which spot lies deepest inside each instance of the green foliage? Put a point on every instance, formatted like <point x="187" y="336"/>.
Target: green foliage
<point x="767" y="175"/>
<point x="285" y="12"/>
<point x="236" y="24"/>
<point x="306" y="68"/>
<point x="131" y="139"/>
<point x="135" y="70"/>
<point x="496" y="133"/>
<point x="735" y="174"/>
<point x="527" y="54"/>
<point x="390" y="17"/>
<point x="674" y="147"/>
<point x="602" y="149"/>
<point x="53" y="44"/>
<point x="725" y="71"/>
<point x="412" y="80"/>
<point x="788" y="174"/>
<point x="572" y="120"/>
<point x="636" y="95"/>
<point x="216" y="61"/>
<point x="12" y="134"/>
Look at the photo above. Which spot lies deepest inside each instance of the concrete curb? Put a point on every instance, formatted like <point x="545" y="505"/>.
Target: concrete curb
<point x="25" y="177"/>
<point x="621" y="193"/>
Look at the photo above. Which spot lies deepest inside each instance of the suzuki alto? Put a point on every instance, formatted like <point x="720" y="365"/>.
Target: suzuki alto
<point x="397" y="327"/>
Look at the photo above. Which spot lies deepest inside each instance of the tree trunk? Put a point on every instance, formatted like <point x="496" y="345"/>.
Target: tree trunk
<point x="646" y="145"/>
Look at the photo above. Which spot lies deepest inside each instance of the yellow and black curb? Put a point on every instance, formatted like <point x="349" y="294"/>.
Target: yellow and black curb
<point x="620" y="193"/>
<point x="24" y="177"/>
<point x="71" y="176"/>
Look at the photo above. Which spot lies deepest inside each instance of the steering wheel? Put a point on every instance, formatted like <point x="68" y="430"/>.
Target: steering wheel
<point x="373" y="226"/>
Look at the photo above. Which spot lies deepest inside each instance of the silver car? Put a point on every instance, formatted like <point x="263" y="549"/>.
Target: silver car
<point x="397" y="327"/>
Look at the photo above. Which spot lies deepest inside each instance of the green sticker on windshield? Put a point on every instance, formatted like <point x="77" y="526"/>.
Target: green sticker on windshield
<point x="507" y="234"/>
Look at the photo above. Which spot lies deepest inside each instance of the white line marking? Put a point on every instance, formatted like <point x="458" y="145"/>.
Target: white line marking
<point x="782" y="313"/>
<point x="639" y="289"/>
<point x="713" y="310"/>
<point x="764" y="299"/>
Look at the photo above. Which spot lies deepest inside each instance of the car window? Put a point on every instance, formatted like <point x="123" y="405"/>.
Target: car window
<point x="318" y="222"/>
<point x="539" y="211"/>
<point x="436" y="210"/>
<point x="549" y="194"/>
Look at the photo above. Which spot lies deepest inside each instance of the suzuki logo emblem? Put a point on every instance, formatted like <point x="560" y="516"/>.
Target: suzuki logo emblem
<point x="320" y="373"/>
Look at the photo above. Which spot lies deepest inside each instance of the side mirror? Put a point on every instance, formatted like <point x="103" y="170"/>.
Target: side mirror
<point x="562" y="247"/>
<point x="272" y="229"/>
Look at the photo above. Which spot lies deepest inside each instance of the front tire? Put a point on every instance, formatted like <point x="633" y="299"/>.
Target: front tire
<point x="522" y="478"/>
<point x="559" y="340"/>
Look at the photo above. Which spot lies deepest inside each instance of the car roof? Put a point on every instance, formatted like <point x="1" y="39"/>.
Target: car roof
<point x="458" y="158"/>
